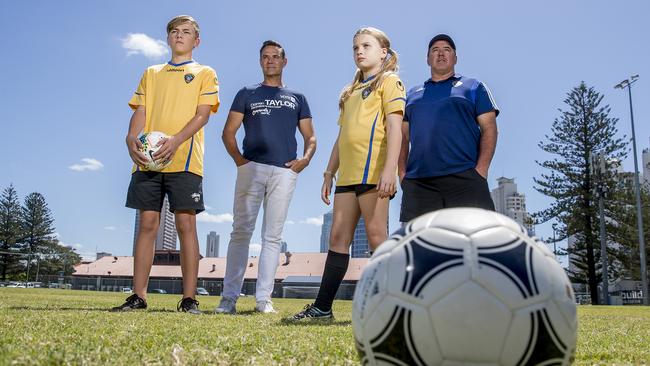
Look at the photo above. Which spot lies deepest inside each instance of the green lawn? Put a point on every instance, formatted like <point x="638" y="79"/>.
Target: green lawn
<point x="57" y="327"/>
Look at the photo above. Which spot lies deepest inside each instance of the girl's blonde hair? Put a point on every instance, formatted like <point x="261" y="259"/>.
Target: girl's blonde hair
<point x="389" y="65"/>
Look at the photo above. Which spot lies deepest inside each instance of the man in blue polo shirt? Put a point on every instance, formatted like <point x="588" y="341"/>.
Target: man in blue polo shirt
<point x="450" y="122"/>
<point x="266" y="172"/>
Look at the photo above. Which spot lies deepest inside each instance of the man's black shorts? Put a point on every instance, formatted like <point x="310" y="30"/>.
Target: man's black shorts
<point x="464" y="189"/>
<point x="147" y="191"/>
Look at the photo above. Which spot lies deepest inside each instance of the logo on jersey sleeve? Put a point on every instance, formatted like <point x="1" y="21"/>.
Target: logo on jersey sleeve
<point x="399" y="85"/>
<point x="189" y="78"/>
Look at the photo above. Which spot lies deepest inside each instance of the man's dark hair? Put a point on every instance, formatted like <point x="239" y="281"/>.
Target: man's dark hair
<point x="272" y="43"/>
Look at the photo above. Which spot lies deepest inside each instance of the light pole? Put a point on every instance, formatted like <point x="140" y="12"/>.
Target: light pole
<point x="598" y="170"/>
<point x="554" y="227"/>
<point x="627" y="83"/>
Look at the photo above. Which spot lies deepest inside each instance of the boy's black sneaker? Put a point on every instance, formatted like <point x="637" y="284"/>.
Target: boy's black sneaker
<point x="133" y="302"/>
<point x="189" y="305"/>
<point x="310" y="312"/>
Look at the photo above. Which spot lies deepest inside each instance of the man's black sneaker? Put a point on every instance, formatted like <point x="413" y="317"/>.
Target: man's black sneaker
<point x="189" y="305"/>
<point x="310" y="312"/>
<point x="133" y="302"/>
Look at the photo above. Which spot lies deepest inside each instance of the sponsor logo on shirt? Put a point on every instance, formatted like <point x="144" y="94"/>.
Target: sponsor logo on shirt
<point x="175" y="70"/>
<point x="457" y="84"/>
<point x="196" y="197"/>
<point x="289" y="97"/>
<point x="268" y="105"/>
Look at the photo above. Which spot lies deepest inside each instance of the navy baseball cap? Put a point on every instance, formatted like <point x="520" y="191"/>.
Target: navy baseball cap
<point x="442" y="37"/>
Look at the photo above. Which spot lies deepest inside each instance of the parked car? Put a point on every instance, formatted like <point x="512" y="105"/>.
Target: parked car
<point x="202" y="291"/>
<point x="158" y="291"/>
<point x="127" y="290"/>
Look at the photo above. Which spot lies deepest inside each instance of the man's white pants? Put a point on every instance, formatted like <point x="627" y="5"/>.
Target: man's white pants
<point x="257" y="183"/>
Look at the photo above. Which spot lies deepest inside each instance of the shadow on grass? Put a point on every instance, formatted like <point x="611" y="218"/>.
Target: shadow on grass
<point x="237" y="314"/>
<point x="106" y="310"/>
<point x="325" y="323"/>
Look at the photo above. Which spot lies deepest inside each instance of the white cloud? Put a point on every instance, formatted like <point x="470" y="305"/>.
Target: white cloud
<point x="140" y="43"/>
<point x="87" y="164"/>
<point x="290" y="222"/>
<point x="75" y="245"/>
<point x="110" y="228"/>
<point x="85" y="255"/>
<point x="318" y="221"/>
<point x="219" y="218"/>
<point x="208" y="207"/>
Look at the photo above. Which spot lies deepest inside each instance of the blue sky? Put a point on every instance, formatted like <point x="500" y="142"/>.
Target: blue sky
<point x="67" y="77"/>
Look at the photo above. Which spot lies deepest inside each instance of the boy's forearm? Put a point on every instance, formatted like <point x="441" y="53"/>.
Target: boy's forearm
<point x="136" y="124"/>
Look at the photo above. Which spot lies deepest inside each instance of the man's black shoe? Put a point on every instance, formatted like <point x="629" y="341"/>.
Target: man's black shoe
<point x="133" y="302"/>
<point x="189" y="305"/>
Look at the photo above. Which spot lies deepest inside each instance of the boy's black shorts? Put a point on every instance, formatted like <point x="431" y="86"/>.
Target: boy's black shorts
<point x="463" y="189"/>
<point x="147" y="191"/>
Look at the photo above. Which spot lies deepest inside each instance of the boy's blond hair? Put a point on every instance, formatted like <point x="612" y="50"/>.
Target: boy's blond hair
<point x="182" y="19"/>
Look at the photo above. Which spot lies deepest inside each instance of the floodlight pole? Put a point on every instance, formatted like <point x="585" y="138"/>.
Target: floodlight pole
<point x="598" y="168"/>
<point x="627" y="83"/>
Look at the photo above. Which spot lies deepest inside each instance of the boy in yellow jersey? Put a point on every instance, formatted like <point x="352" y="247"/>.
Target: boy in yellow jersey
<point x="365" y="154"/>
<point x="175" y="98"/>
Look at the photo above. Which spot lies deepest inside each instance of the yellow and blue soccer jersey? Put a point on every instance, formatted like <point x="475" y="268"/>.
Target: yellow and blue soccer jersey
<point x="363" y="138"/>
<point x="170" y="94"/>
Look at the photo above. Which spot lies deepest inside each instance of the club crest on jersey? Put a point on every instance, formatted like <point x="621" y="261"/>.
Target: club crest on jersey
<point x="366" y="92"/>
<point x="189" y="78"/>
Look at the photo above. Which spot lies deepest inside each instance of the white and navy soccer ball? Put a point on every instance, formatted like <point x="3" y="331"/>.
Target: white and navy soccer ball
<point x="150" y="142"/>
<point x="464" y="286"/>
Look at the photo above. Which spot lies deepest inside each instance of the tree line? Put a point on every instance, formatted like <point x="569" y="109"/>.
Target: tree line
<point x="29" y="247"/>
<point x="585" y="128"/>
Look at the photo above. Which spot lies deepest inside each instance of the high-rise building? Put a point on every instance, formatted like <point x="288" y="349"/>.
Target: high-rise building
<point x="360" y="247"/>
<point x="212" y="245"/>
<point x="166" y="237"/>
<point x="509" y="202"/>
<point x="283" y="247"/>
<point x="325" y="232"/>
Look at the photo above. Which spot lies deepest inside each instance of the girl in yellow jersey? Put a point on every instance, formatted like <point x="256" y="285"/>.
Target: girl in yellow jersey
<point x="365" y="156"/>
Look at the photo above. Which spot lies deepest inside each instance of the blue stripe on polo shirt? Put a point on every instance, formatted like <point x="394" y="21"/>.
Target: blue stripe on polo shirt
<point x="367" y="167"/>
<point x="189" y="155"/>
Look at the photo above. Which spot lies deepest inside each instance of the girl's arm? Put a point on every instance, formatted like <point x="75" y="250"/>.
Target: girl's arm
<point x="330" y="172"/>
<point x="387" y="186"/>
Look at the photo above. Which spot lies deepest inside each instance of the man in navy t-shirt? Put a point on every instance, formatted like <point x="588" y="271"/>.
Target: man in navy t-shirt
<point x="266" y="172"/>
<point x="450" y="122"/>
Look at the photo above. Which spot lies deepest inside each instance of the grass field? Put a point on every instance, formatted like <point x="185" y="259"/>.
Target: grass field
<point x="55" y="327"/>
